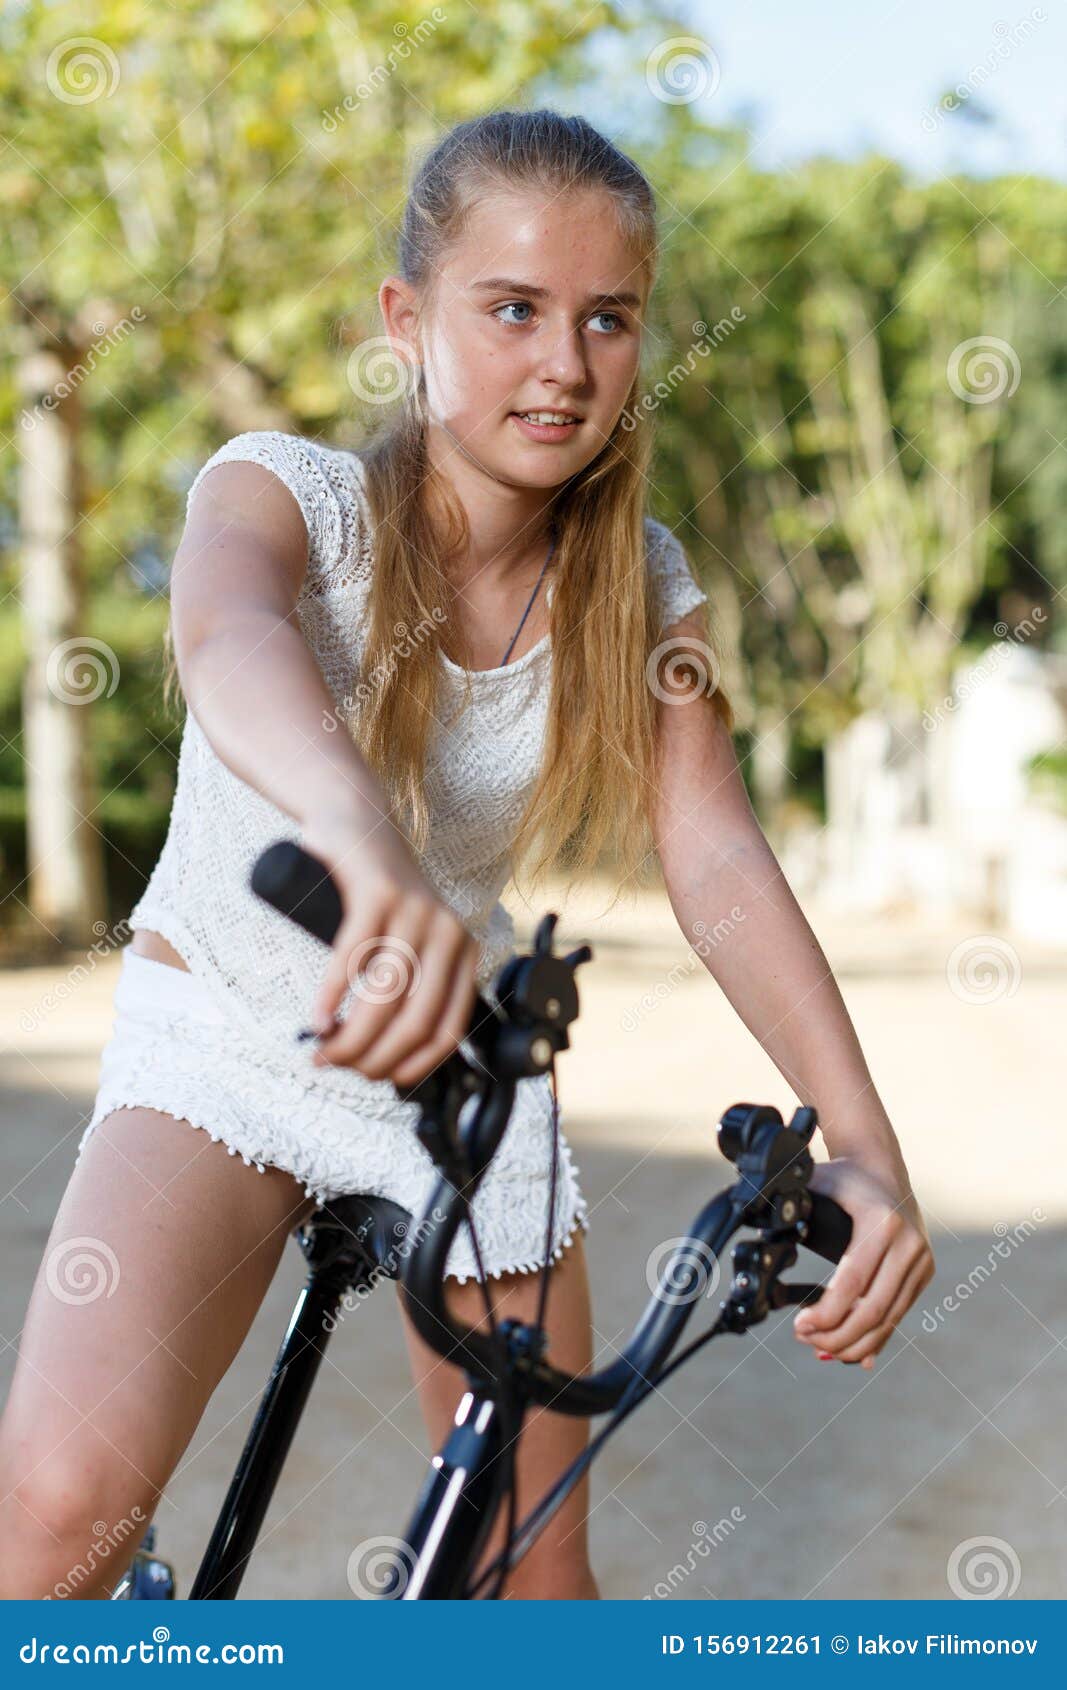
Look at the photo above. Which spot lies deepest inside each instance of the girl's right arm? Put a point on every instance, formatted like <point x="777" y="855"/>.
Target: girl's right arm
<point x="252" y="682"/>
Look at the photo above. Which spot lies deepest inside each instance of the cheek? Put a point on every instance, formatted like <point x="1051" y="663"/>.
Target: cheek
<point x="623" y="368"/>
<point x="472" y="380"/>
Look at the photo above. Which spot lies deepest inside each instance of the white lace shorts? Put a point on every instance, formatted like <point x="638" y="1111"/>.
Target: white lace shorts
<point x="173" y="1049"/>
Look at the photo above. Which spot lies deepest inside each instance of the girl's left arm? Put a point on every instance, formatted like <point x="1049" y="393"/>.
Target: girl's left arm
<point x="735" y="907"/>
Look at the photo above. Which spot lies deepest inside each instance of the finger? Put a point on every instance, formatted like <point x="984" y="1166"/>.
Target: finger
<point x="850" y="1280"/>
<point x="918" y="1276"/>
<point x="417" y="1020"/>
<point x="335" y="975"/>
<point x="391" y="965"/>
<point x="454" y="1025"/>
<point x="864" y="1349"/>
<point x="873" y="1308"/>
<point x="869" y="1344"/>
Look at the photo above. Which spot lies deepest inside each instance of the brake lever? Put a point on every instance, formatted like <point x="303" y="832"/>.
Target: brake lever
<point x="785" y="1296"/>
<point x="756" y="1289"/>
<point x="788" y="1296"/>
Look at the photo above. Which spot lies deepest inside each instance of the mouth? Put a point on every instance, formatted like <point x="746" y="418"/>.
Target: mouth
<point x="547" y="425"/>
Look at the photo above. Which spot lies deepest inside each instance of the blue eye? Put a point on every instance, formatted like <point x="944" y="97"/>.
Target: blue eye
<point x="524" y="305"/>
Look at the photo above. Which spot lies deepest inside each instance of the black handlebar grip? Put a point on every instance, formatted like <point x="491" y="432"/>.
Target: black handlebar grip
<point x="829" y="1228"/>
<point x="300" y="886"/>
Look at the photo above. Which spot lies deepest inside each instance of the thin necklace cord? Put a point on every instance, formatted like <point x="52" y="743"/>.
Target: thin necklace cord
<point x="529" y="605"/>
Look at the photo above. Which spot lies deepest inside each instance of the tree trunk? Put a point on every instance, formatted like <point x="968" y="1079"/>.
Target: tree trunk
<point x="64" y="851"/>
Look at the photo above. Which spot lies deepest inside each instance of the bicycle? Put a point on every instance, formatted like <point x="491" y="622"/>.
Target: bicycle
<point x="355" y="1241"/>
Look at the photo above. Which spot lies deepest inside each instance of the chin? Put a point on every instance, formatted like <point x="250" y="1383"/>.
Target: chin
<point x="520" y="467"/>
<point x="515" y="474"/>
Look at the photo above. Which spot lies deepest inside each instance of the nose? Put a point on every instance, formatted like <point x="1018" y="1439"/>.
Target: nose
<point x="564" y="359"/>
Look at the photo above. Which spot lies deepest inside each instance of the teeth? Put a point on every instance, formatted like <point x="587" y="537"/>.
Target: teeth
<point x="546" y="417"/>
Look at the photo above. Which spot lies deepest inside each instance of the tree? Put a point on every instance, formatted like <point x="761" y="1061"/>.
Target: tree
<point x="199" y="203"/>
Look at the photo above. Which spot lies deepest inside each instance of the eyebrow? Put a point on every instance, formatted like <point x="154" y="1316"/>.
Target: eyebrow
<point x="506" y="284"/>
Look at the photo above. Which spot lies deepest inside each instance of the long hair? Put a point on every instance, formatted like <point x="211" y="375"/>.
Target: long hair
<point x="597" y="774"/>
<point x="597" y="779"/>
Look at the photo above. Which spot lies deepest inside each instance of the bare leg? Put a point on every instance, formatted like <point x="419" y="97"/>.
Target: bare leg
<point x="160" y="1254"/>
<point x="557" y="1567"/>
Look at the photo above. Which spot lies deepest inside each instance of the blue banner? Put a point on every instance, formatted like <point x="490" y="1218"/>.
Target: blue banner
<point x="799" y="1643"/>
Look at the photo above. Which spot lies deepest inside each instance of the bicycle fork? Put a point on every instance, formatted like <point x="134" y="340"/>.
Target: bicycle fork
<point x="456" y="1507"/>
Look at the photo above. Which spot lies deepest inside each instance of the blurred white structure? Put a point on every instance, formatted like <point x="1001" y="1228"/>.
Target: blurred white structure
<point x="935" y="813"/>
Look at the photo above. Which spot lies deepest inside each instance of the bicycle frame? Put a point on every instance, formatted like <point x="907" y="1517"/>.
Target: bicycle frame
<point x="350" y="1245"/>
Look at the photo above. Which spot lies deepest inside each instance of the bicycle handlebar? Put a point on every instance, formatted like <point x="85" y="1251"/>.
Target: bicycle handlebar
<point x="299" y="886"/>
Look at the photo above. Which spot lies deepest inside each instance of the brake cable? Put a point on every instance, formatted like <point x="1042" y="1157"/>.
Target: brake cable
<point x="756" y="1267"/>
<point x="506" y="1396"/>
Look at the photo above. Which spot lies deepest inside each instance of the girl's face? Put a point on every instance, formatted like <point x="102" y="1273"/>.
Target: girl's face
<point x="538" y="309"/>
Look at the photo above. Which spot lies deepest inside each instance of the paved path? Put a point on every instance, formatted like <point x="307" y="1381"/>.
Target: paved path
<point x="759" y="1470"/>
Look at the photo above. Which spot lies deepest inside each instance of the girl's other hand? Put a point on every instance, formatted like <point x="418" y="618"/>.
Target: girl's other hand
<point x="886" y="1266"/>
<point x="407" y="957"/>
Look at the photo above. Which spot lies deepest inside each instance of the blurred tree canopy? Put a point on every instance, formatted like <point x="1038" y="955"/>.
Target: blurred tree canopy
<point x="854" y="376"/>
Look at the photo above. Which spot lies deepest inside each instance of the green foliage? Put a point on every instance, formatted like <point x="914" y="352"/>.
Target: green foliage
<point x="204" y="205"/>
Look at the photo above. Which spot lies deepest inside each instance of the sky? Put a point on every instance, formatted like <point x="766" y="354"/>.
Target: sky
<point x="846" y="78"/>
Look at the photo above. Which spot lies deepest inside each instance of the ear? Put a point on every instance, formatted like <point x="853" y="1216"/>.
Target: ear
<point x="398" y="306"/>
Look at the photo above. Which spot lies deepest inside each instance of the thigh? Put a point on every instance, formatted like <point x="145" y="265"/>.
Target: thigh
<point x="549" y="1441"/>
<point x="158" y="1259"/>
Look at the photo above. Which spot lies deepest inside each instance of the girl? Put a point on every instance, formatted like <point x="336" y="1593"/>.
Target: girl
<point x="424" y="661"/>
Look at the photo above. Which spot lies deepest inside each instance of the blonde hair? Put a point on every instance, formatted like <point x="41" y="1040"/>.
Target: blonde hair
<point x="598" y="777"/>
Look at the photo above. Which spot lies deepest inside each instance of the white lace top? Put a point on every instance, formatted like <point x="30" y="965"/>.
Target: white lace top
<point x="480" y="771"/>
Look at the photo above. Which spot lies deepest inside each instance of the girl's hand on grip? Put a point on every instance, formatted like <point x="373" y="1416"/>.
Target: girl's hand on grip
<point x="880" y="1275"/>
<point x="406" y="956"/>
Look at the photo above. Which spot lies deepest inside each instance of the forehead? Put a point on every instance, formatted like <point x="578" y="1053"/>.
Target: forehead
<point x="562" y="242"/>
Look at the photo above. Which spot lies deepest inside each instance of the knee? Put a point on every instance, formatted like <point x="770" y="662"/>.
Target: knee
<point x="66" y="1531"/>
